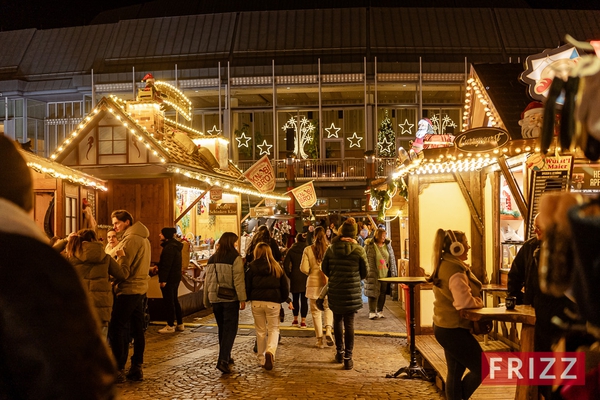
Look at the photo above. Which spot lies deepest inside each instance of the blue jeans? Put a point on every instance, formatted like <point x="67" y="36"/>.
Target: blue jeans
<point x="227" y="315"/>
<point x="462" y="352"/>
<point x="127" y="318"/>
<point x="172" y="307"/>
<point x="343" y="331"/>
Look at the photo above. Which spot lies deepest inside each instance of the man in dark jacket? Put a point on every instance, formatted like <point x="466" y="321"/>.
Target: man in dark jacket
<point x="169" y="277"/>
<point x="345" y="264"/>
<point x="50" y="343"/>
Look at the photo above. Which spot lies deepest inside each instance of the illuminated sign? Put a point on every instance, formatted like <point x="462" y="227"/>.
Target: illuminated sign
<point x="480" y="140"/>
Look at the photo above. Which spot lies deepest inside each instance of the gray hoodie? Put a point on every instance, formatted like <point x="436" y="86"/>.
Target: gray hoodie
<point x="136" y="261"/>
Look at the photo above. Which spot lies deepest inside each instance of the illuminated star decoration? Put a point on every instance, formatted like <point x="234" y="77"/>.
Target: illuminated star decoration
<point x="244" y="139"/>
<point x="406" y="127"/>
<point x="215" y="131"/>
<point x="385" y="146"/>
<point x="265" y="148"/>
<point x="331" y="134"/>
<point x="354" y="140"/>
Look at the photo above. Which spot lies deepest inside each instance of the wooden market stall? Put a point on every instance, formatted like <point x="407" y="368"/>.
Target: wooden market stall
<point x="163" y="172"/>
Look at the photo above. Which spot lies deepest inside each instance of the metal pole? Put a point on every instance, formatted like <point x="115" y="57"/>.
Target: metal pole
<point x="93" y="92"/>
<point x="133" y="82"/>
<point x="220" y="115"/>
<point x="365" y="95"/>
<point x="420" y="90"/>
<point x="275" y="144"/>
<point x="321" y="142"/>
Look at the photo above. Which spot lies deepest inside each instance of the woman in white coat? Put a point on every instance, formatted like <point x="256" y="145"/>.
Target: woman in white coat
<point x="311" y="266"/>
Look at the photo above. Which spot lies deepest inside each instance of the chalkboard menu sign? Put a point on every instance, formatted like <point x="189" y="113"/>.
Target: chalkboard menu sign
<point x="549" y="174"/>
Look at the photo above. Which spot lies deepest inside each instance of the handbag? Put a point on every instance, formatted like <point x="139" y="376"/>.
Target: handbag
<point x="224" y="293"/>
<point x="482" y="327"/>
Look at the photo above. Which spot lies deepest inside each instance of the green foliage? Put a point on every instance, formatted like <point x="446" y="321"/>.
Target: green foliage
<point x="384" y="198"/>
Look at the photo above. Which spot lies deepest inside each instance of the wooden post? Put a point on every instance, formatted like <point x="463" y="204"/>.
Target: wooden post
<point x="187" y="210"/>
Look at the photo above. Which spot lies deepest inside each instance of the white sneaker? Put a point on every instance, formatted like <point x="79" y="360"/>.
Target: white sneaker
<point x="180" y="327"/>
<point x="373" y="315"/>
<point x="380" y="314"/>
<point x="320" y="344"/>
<point x="167" y="329"/>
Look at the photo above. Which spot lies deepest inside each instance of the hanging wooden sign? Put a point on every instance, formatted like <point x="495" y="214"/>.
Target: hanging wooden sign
<point x="481" y="140"/>
<point x="216" y="194"/>
<point x="222" y="209"/>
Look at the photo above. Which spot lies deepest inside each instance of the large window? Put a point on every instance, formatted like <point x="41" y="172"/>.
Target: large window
<point x="112" y="140"/>
<point x="70" y="215"/>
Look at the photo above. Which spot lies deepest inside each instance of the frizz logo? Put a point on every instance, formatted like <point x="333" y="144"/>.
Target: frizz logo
<point x="543" y="368"/>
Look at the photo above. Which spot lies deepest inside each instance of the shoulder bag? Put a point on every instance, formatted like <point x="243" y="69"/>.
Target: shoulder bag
<point x="224" y="292"/>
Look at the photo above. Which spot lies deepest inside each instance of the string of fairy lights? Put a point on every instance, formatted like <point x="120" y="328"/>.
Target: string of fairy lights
<point x="227" y="186"/>
<point x="476" y="92"/>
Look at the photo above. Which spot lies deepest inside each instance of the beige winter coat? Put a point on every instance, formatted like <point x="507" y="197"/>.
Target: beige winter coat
<point x="136" y="261"/>
<point x="316" y="279"/>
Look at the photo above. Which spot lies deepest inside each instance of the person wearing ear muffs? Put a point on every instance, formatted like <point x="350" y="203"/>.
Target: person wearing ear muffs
<point x="455" y="288"/>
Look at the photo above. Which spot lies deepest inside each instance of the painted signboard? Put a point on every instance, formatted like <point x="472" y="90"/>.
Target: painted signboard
<point x="480" y="140"/>
<point x="222" y="209"/>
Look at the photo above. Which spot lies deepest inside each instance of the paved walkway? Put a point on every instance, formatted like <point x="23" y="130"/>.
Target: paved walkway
<point x="182" y="365"/>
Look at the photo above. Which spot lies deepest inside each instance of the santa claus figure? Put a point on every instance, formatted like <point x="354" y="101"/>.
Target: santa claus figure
<point x="424" y="127"/>
<point x="531" y="120"/>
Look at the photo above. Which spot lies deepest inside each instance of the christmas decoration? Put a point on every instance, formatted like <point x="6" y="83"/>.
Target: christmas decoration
<point x="332" y="131"/>
<point x="406" y="127"/>
<point x="214" y="131"/>
<point x="265" y="148"/>
<point x="354" y="140"/>
<point x="386" y="138"/>
<point x="303" y="134"/>
<point x="440" y="126"/>
<point x="243" y="140"/>
<point x="384" y="198"/>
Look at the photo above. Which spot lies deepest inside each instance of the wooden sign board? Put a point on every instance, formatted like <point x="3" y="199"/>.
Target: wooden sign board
<point x="222" y="209"/>
<point x="258" y="212"/>
<point x="270" y="202"/>
<point x="216" y="194"/>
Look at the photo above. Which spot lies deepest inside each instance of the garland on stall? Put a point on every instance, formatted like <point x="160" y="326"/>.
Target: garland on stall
<point x="384" y="199"/>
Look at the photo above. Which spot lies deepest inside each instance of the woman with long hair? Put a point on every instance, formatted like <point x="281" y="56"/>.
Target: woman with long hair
<point x="311" y="266"/>
<point x="291" y="265"/>
<point x="225" y="268"/>
<point x="267" y="287"/>
<point x="86" y="254"/>
<point x="263" y="235"/>
<point x="455" y="287"/>
<point x="382" y="263"/>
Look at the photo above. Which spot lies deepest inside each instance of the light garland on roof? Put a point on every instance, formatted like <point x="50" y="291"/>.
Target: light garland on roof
<point x="176" y="99"/>
<point x="227" y="186"/>
<point x="443" y="164"/>
<point x="476" y="92"/>
<point x="184" y="127"/>
<point x="150" y="143"/>
<point x="73" y="176"/>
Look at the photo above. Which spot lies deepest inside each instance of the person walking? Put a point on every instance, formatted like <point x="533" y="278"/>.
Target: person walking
<point x="455" y="288"/>
<point x="127" y="317"/>
<point x="382" y="263"/>
<point x="267" y="287"/>
<point x="311" y="266"/>
<point x="262" y="235"/>
<point x="51" y="342"/>
<point x="345" y="264"/>
<point x="94" y="267"/>
<point x="291" y="265"/>
<point x="169" y="277"/>
<point x="225" y="268"/>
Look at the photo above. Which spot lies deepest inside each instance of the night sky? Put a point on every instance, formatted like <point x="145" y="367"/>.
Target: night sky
<point x="23" y="14"/>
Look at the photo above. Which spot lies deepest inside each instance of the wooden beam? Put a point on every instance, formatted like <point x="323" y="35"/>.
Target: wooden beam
<point x="468" y="198"/>
<point x="187" y="210"/>
<point x="514" y="188"/>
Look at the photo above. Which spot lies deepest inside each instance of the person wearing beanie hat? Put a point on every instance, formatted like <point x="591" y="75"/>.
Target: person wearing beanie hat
<point x="169" y="276"/>
<point x="345" y="264"/>
<point x="50" y="322"/>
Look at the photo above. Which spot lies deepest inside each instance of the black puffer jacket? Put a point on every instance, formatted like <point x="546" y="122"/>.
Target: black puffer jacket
<point x="262" y="285"/>
<point x="345" y="264"/>
<point x="291" y="265"/>
<point x="169" y="266"/>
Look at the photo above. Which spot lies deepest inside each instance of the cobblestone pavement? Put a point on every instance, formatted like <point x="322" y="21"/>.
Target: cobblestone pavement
<point x="182" y="365"/>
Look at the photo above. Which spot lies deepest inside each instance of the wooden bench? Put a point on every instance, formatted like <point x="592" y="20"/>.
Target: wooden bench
<point x="433" y="357"/>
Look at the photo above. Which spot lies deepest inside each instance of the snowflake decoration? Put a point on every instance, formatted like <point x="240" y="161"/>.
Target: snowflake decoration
<point x="265" y="148"/>
<point x="406" y="127"/>
<point x="335" y="130"/>
<point x="354" y="140"/>
<point x="243" y="138"/>
<point x="305" y="133"/>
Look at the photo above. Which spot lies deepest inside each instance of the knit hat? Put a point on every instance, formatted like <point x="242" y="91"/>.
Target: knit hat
<point x="348" y="228"/>
<point x="168" y="233"/>
<point x="16" y="184"/>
